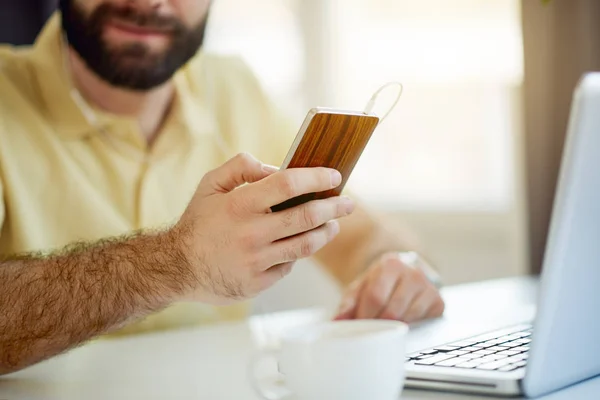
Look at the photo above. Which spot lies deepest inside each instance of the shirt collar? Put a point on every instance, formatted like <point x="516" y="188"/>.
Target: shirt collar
<point x="66" y="115"/>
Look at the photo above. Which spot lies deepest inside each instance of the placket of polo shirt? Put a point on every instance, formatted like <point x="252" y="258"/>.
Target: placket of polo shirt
<point x="124" y="135"/>
<point x="152" y="207"/>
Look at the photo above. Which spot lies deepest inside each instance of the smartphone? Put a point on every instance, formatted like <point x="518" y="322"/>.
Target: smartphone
<point x="329" y="138"/>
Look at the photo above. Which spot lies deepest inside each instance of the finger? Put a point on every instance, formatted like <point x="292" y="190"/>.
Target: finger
<point x="290" y="183"/>
<point x="420" y="306"/>
<point x="303" y="245"/>
<point x="404" y="294"/>
<point x="243" y="168"/>
<point x="275" y="274"/>
<point x="377" y="292"/>
<point x="347" y="309"/>
<point x="437" y="307"/>
<point x="308" y="216"/>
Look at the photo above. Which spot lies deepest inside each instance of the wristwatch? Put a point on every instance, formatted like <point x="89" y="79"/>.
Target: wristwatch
<point x="414" y="260"/>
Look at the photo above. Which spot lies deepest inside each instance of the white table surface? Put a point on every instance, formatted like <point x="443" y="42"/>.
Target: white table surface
<point x="211" y="362"/>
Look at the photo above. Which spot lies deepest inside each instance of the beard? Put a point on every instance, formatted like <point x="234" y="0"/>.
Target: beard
<point x="131" y="66"/>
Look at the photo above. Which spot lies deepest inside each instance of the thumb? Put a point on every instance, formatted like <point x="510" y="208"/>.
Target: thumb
<point x="349" y="303"/>
<point x="241" y="169"/>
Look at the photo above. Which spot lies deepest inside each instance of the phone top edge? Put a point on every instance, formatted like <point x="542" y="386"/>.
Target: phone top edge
<point x="327" y="110"/>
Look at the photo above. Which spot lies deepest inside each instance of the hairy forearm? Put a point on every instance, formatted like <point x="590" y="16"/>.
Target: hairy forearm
<point x="49" y="304"/>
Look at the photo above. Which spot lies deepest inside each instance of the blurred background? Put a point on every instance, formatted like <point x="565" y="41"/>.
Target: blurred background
<point x="466" y="165"/>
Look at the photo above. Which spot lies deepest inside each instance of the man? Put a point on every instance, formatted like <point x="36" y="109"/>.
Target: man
<point x="107" y="124"/>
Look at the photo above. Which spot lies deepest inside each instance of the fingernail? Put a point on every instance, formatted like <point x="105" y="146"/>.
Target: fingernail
<point x="336" y="178"/>
<point x="269" y="169"/>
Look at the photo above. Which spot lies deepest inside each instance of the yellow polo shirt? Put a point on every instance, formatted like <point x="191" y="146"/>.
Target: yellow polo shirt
<point x="64" y="180"/>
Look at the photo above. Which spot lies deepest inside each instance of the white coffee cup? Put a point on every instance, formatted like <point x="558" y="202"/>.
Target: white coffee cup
<point x="337" y="360"/>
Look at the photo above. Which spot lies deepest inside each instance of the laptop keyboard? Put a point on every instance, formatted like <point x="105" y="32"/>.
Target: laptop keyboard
<point x="505" y="350"/>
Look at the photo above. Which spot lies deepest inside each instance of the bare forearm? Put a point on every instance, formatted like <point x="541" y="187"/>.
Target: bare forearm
<point x="363" y="237"/>
<point x="51" y="304"/>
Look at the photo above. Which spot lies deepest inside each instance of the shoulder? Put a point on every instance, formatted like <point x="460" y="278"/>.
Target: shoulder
<point x="17" y="79"/>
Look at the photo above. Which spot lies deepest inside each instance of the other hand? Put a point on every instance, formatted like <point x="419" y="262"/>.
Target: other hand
<point x="391" y="289"/>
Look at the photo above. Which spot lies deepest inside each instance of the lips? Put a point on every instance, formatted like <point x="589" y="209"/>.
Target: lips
<point x="138" y="30"/>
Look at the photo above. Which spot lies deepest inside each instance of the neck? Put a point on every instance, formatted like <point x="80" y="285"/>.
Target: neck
<point x="149" y="108"/>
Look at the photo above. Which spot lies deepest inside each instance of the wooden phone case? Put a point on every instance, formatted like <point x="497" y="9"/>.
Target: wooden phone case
<point x="329" y="138"/>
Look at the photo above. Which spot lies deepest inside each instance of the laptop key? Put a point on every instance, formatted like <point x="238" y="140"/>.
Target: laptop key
<point x="512" y="337"/>
<point x="451" y="362"/>
<point x="521" y="349"/>
<point x="523" y="341"/>
<point x="493" y="357"/>
<point x="471" y="348"/>
<point x="498" y="348"/>
<point x="507" y="368"/>
<point x="512" y="344"/>
<point x="483" y="352"/>
<point x="496" y="342"/>
<point x="494" y="365"/>
<point x="424" y="356"/>
<point x="470" y="356"/>
<point x="463" y="343"/>
<point x="470" y="364"/>
<point x="458" y="352"/>
<point x="509" y="352"/>
<point x="430" y="351"/>
<point x="446" y="348"/>
<point x="434" y="359"/>
<point x="485" y="345"/>
<point x="520" y="364"/>
<point x="520" y="357"/>
<point x="508" y="338"/>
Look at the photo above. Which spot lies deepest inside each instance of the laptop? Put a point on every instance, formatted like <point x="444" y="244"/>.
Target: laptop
<point x="562" y="345"/>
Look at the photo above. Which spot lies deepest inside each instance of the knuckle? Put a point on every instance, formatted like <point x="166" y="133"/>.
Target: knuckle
<point x="309" y="217"/>
<point x="250" y="239"/>
<point x="285" y="269"/>
<point x="418" y="277"/>
<point x="391" y="266"/>
<point x="234" y="208"/>
<point x="287" y="219"/>
<point x="289" y="254"/>
<point x="374" y="298"/>
<point x="287" y="185"/>
<point x="389" y="313"/>
<point x="208" y="177"/>
<point x="324" y="178"/>
<point x="438" y="307"/>
<point x="339" y="210"/>
<point x="307" y="247"/>
<point x="254" y="262"/>
<point x="245" y="159"/>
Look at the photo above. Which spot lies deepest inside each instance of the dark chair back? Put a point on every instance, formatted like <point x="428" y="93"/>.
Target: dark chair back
<point x="22" y="20"/>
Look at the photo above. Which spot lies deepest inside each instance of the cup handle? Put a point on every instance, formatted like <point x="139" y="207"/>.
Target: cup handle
<point x="275" y="389"/>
